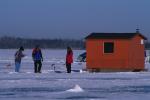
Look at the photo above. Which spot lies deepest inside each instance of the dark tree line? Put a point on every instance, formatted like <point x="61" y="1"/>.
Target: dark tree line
<point x="13" y="43"/>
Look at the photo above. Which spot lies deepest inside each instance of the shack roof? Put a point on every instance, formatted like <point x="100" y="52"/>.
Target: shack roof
<point x="113" y="36"/>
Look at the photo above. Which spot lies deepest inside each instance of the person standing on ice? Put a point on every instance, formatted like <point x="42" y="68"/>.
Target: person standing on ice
<point x="18" y="56"/>
<point x="69" y="59"/>
<point x="37" y="58"/>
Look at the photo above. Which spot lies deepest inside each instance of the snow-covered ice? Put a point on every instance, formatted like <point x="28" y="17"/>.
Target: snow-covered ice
<point x="58" y="85"/>
<point x="77" y="88"/>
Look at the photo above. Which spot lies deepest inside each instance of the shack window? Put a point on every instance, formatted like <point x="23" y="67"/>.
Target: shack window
<point x="108" y="47"/>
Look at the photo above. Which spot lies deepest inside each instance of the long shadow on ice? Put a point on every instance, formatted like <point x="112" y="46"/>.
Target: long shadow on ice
<point x="119" y="89"/>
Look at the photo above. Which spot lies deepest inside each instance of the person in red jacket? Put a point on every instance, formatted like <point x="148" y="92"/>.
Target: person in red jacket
<point x="69" y="59"/>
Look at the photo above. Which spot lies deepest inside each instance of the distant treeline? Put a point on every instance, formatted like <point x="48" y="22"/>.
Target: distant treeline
<point x="15" y="42"/>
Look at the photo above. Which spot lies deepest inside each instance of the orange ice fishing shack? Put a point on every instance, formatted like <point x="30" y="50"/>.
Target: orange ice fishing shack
<point x="115" y="51"/>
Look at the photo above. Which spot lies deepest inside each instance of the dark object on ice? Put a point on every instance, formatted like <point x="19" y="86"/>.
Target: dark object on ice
<point x="53" y="65"/>
<point x="82" y="57"/>
<point x="75" y="70"/>
<point x="58" y="72"/>
<point x="137" y="70"/>
<point x="54" y="68"/>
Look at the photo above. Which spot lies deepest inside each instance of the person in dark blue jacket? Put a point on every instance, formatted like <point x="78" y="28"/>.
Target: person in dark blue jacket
<point x="37" y="58"/>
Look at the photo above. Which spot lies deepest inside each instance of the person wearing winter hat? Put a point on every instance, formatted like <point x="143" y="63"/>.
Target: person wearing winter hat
<point x="37" y="58"/>
<point x="18" y="56"/>
<point x="69" y="59"/>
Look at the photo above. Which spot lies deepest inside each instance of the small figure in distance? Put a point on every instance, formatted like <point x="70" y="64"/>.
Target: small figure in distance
<point x="37" y="58"/>
<point x="18" y="56"/>
<point x="69" y="59"/>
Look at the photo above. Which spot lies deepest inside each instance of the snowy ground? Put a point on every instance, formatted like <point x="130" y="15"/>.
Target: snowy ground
<point x="59" y="85"/>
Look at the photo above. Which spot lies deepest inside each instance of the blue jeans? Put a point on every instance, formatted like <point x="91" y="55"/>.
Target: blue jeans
<point x="17" y="66"/>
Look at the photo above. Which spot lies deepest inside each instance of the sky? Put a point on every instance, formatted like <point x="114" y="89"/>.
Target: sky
<point x="73" y="19"/>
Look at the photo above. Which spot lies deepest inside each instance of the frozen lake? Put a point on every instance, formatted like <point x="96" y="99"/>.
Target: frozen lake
<point x="59" y="85"/>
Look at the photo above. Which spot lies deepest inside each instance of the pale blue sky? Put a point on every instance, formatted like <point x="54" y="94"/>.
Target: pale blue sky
<point x="72" y="18"/>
